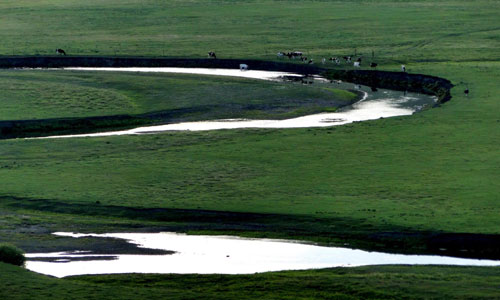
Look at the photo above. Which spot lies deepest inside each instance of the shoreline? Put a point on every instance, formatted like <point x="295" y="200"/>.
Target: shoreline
<point x="418" y="83"/>
<point x="74" y="125"/>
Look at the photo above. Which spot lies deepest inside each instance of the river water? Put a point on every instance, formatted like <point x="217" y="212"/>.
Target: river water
<point x="222" y="255"/>
<point x="233" y="255"/>
<point x="374" y="105"/>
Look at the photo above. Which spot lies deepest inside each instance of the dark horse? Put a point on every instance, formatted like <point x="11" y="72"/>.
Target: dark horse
<point x="212" y="54"/>
<point x="60" y="51"/>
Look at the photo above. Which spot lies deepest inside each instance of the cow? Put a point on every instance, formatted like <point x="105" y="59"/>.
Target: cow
<point x="323" y="60"/>
<point x="211" y="54"/>
<point x="243" y="67"/>
<point x="60" y="51"/>
<point x="466" y="92"/>
<point x="403" y="68"/>
<point x="280" y="54"/>
<point x="357" y="64"/>
<point x="347" y="58"/>
<point x="334" y="60"/>
<point x="373" y="65"/>
<point x="310" y="61"/>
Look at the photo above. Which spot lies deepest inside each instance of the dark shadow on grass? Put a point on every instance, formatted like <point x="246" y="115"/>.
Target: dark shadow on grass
<point x="346" y="232"/>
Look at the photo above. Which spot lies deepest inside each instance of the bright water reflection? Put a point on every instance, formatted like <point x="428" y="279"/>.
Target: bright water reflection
<point x="374" y="105"/>
<point x="225" y="255"/>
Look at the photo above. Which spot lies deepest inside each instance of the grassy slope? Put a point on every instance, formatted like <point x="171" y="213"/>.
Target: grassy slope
<point x="385" y="282"/>
<point x="399" y="30"/>
<point x="54" y="94"/>
<point x="342" y="172"/>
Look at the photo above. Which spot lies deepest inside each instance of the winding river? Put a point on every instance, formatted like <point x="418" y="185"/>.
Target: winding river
<point x="374" y="105"/>
<point x="233" y="255"/>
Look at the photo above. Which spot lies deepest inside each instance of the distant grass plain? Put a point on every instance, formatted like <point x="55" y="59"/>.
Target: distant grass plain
<point x="436" y="171"/>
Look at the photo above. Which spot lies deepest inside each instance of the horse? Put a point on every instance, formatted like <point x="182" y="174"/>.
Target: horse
<point x="60" y="51"/>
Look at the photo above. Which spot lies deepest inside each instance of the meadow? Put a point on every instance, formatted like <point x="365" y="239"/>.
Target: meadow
<point x="393" y="184"/>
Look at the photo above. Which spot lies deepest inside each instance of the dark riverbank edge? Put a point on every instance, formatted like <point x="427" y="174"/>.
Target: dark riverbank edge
<point x="417" y="83"/>
<point x="59" y="126"/>
<point x="349" y="233"/>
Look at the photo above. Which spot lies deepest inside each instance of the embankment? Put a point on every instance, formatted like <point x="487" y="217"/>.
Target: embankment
<point x="31" y="128"/>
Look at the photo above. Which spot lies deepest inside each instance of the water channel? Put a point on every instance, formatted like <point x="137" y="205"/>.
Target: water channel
<point x="374" y="104"/>
<point x="233" y="255"/>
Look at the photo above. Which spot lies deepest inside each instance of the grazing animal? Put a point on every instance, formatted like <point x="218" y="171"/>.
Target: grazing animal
<point x="243" y="67"/>
<point x="212" y="54"/>
<point x="335" y="60"/>
<point x="403" y="68"/>
<point x="323" y="60"/>
<point x="60" y="51"/>
<point x="357" y="64"/>
<point x="359" y="59"/>
<point x="466" y="92"/>
<point x="294" y="54"/>
<point x="373" y="65"/>
<point x="310" y="61"/>
<point x="280" y="54"/>
<point x="347" y="58"/>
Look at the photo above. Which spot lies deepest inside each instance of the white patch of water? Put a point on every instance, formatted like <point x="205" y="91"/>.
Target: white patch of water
<point x="371" y="106"/>
<point x="225" y="255"/>
<point x="253" y="74"/>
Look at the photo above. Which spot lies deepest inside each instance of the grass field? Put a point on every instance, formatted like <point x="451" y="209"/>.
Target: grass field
<point x="436" y="171"/>
<point x="75" y="94"/>
<point x="384" y="282"/>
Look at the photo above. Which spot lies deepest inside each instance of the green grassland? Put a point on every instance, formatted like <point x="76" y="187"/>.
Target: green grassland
<point x="398" y="30"/>
<point x="436" y="171"/>
<point x="381" y="282"/>
<point x="46" y="94"/>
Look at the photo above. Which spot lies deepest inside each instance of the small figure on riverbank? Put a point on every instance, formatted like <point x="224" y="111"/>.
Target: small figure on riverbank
<point x="211" y="54"/>
<point x="60" y="51"/>
<point x="403" y="68"/>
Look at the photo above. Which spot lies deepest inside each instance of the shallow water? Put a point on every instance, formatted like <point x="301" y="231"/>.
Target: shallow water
<point x="223" y="255"/>
<point x="253" y="74"/>
<point x="374" y="105"/>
